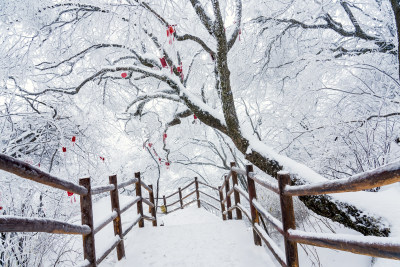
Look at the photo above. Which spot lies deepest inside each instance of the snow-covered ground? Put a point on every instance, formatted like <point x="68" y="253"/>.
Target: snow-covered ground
<point x="192" y="237"/>
<point x="195" y="237"/>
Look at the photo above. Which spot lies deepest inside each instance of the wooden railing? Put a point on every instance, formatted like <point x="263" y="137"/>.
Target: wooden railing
<point x="174" y="205"/>
<point x="384" y="247"/>
<point x="88" y="229"/>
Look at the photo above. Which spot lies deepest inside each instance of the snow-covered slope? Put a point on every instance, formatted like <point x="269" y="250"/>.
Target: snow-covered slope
<point x="193" y="237"/>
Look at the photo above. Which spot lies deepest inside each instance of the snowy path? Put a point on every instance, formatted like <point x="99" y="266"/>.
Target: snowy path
<point x="193" y="237"/>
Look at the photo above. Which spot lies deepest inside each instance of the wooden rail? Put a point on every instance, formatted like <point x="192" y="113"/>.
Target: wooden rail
<point x="88" y="230"/>
<point x="181" y="197"/>
<point x="372" y="246"/>
<point x="384" y="247"/>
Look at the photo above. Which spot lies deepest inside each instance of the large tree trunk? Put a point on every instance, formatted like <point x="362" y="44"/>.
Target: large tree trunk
<point x="323" y="205"/>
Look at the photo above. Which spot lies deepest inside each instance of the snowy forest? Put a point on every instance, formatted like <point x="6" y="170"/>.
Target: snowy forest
<point x="179" y="89"/>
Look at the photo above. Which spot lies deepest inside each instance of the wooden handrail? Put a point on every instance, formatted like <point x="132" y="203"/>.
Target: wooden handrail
<point x="210" y="186"/>
<point x="102" y="189"/>
<point x="30" y="172"/>
<point x="245" y="211"/>
<point x="226" y="178"/>
<point x="145" y="186"/>
<point x="183" y="188"/>
<point x="84" y="189"/>
<point x="148" y="202"/>
<point x="373" y="246"/>
<point x="385" y="175"/>
<point x="384" y="247"/>
<point x="109" y="219"/>
<point x="188" y="195"/>
<point x="186" y="186"/>
<point x="275" y="222"/>
<point x="105" y="253"/>
<point x="130" y="226"/>
<point x="209" y="204"/>
<point x="209" y="195"/>
<point x="242" y="192"/>
<point x="130" y="204"/>
<point x="148" y="218"/>
<point x="173" y="203"/>
<point x="271" y="186"/>
<point x="273" y="247"/>
<point x="21" y="224"/>
<point x="172" y="194"/>
<point x="127" y="183"/>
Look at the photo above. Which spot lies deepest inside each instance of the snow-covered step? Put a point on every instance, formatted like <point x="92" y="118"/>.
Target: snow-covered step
<point x="193" y="237"/>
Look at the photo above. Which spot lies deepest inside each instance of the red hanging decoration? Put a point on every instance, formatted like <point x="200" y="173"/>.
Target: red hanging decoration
<point x="73" y="139"/>
<point x="150" y="145"/>
<point x="194" y="117"/>
<point x="69" y="193"/>
<point x="64" y="149"/>
<point x="1" y="207"/>
<point x="167" y="164"/>
<point x="164" y="136"/>
<point x="170" y="33"/>
<point x="179" y="69"/>
<point x="124" y="75"/>
<point x="163" y="63"/>
<point x="159" y="159"/>
<point x="102" y="158"/>
<point x="39" y="165"/>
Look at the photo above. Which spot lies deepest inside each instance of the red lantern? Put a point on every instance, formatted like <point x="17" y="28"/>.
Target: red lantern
<point x="1" y="208"/>
<point x="159" y="159"/>
<point x="124" y="75"/>
<point x="73" y="139"/>
<point x="64" y="149"/>
<point x="194" y="116"/>
<point x="163" y="63"/>
<point x="179" y="69"/>
<point x="69" y="193"/>
<point x="150" y="145"/>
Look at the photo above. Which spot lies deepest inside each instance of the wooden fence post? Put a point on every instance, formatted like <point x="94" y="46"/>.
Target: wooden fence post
<point x="153" y="209"/>
<point x="180" y="197"/>
<point x="117" y="221"/>
<point x="140" y="202"/>
<point x="165" y="204"/>
<point x="288" y="220"/>
<point x="197" y="191"/>
<point x="221" y="198"/>
<point x="228" y="198"/>
<point x="253" y="195"/>
<point x="236" y="193"/>
<point x="89" y="250"/>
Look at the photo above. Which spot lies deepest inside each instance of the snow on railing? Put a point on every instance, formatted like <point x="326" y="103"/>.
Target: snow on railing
<point x="30" y="172"/>
<point x="88" y="229"/>
<point x="373" y="246"/>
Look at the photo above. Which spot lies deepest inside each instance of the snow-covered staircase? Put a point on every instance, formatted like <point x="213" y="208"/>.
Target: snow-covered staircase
<point x="192" y="237"/>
